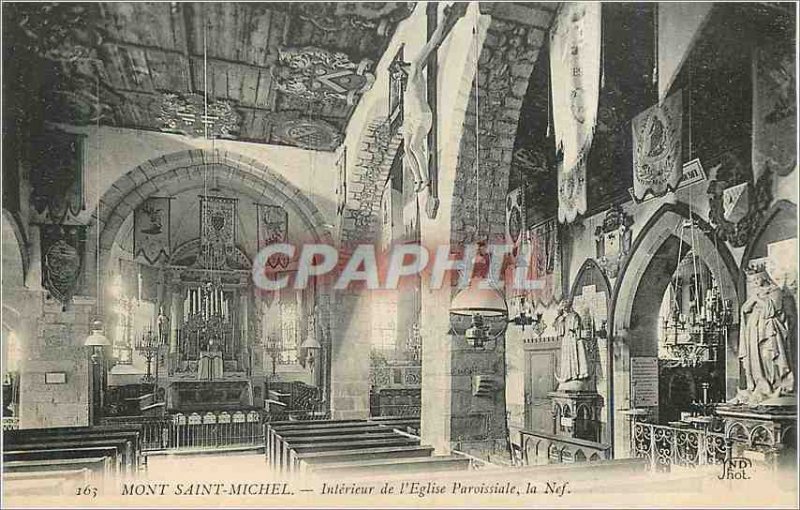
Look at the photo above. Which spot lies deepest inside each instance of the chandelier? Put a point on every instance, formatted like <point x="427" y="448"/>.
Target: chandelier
<point x="694" y="337"/>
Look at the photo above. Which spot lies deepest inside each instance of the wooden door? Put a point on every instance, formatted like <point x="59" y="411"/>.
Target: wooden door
<point x="540" y="367"/>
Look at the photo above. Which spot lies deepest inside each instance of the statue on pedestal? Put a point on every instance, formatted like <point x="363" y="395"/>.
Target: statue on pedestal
<point x="766" y="343"/>
<point x="574" y="371"/>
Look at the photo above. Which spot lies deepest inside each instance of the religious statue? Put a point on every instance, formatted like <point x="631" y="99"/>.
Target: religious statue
<point x="417" y="115"/>
<point x="162" y="325"/>
<point x="574" y="360"/>
<point x="766" y="342"/>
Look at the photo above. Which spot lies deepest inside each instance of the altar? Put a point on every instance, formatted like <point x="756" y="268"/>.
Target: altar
<point x="211" y="366"/>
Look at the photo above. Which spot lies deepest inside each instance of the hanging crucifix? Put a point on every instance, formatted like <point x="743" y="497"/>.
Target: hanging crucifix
<point x="420" y="103"/>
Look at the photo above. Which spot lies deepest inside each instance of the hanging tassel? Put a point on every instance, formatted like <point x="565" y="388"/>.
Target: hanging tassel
<point x="549" y="92"/>
<point x="655" y="46"/>
<point x="602" y="56"/>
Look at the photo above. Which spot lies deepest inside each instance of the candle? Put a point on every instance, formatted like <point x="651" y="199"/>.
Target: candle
<point x="139" y="284"/>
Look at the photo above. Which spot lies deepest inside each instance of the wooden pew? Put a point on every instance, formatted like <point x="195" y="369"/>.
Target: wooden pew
<point x="273" y="429"/>
<point x="406" y="424"/>
<point x="342" y="445"/>
<point x="50" y="483"/>
<point x="308" y="461"/>
<point x="128" y="455"/>
<point x="394" y="465"/>
<point x="95" y="469"/>
<point x="70" y="450"/>
<point x="126" y="439"/>
<point x="312" y="438"/>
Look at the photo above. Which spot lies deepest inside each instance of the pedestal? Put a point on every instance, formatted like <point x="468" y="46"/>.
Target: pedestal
<point x="576" y="414"/>
<point x="764" y="434"/>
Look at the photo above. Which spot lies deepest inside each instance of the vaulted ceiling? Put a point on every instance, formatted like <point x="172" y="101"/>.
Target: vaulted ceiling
<point x="281" y="73"/>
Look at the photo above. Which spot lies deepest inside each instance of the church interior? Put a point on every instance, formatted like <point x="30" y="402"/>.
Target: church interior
<point x="642" y="155"/>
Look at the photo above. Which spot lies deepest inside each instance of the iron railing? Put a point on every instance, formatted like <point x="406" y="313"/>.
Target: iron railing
<point x="665" y="447"/>
<point x="543" y="448"/>
<point x="208" y="430"/>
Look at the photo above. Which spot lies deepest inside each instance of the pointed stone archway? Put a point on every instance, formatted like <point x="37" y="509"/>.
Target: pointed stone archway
<point x="637" y="297"/>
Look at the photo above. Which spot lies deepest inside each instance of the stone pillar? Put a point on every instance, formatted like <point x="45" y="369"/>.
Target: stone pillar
<point x="176" y="318"/>
<point x="33" y="280"/>
<point x="54" y="344"/>
<point x="436" y="412"/>
<point x="350" y="356"/>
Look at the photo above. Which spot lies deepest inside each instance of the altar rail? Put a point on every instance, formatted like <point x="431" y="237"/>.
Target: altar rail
<point x="208" y="430"/>
<point x="540" y="448"/>
<point x="664" y="446"/>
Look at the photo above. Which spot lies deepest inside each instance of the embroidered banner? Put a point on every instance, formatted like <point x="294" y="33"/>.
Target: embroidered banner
<point x="57" y="175"/>
<point x="515" y="218"/>
<point x="151" y="230"/>
<point x="544" y="264"/>
<point x="657" y="166"/>
<point x="273" y="227"/>
<point x="217" y="232"/>
<point x="774" y="109"/>
<point x="62" y="259"/>
<point x="575" y="76"/>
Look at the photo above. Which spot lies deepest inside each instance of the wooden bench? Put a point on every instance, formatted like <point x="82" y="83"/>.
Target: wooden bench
<point x="71" y="450"/>
<point x="309" y="439"/>
<point x="394" y="465"/>
<point x="410" y="425"/>
<point x="95" y="469"/>
<point x="119" y="444"/>
<point x="292" y="463"/>
<point x="308" y="461"/>
<point x="127" y="443"/>
<point x="49" y="483"/>
<point x="272" y="431"/>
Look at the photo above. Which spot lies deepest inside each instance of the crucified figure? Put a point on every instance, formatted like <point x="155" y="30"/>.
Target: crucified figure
<point x="417" y="115"/>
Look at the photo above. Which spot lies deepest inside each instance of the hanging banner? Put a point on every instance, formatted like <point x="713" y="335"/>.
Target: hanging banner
<point x="273" y="227"/>
<point x="774" y="108"/>
<point x="575" y="76"/>
<point x="151" y="230"/>
<point x="657" y="166"/>
<point x="515" y="218"/>
<point x="217" y="232"/>
<point x="543" y="264"/>
<point x="62" y="259"/>
<point x="56" y="175"/>
<point x="679" y="24"/>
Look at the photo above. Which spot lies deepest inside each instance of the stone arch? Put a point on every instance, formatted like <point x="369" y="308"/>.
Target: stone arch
<point x="599" y="277"/>
<point x="499" y="71"/>
<point x="182" y="170"/>
<point x="377" y="149"/>
<point x="15" y="243"/>
<point x="659" y="231"/>
<point x="661" y="226"/>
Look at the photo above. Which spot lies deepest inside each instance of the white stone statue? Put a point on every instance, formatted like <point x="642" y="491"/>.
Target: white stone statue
<point x="766" y="343"/>
<point x="574" y="370"/>
<point x="417" y="115"/>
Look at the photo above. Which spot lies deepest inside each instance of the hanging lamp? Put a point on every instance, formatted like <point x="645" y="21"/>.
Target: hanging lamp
<point x="96" y="339"/>
<point x="478" y="312"/>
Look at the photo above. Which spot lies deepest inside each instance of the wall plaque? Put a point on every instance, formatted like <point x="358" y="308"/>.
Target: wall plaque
<point x="644" y="381"/>
<point x="55" y="378"/>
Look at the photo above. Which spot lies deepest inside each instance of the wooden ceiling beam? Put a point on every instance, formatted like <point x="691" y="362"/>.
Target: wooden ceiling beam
<point x="186" y="54"/>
